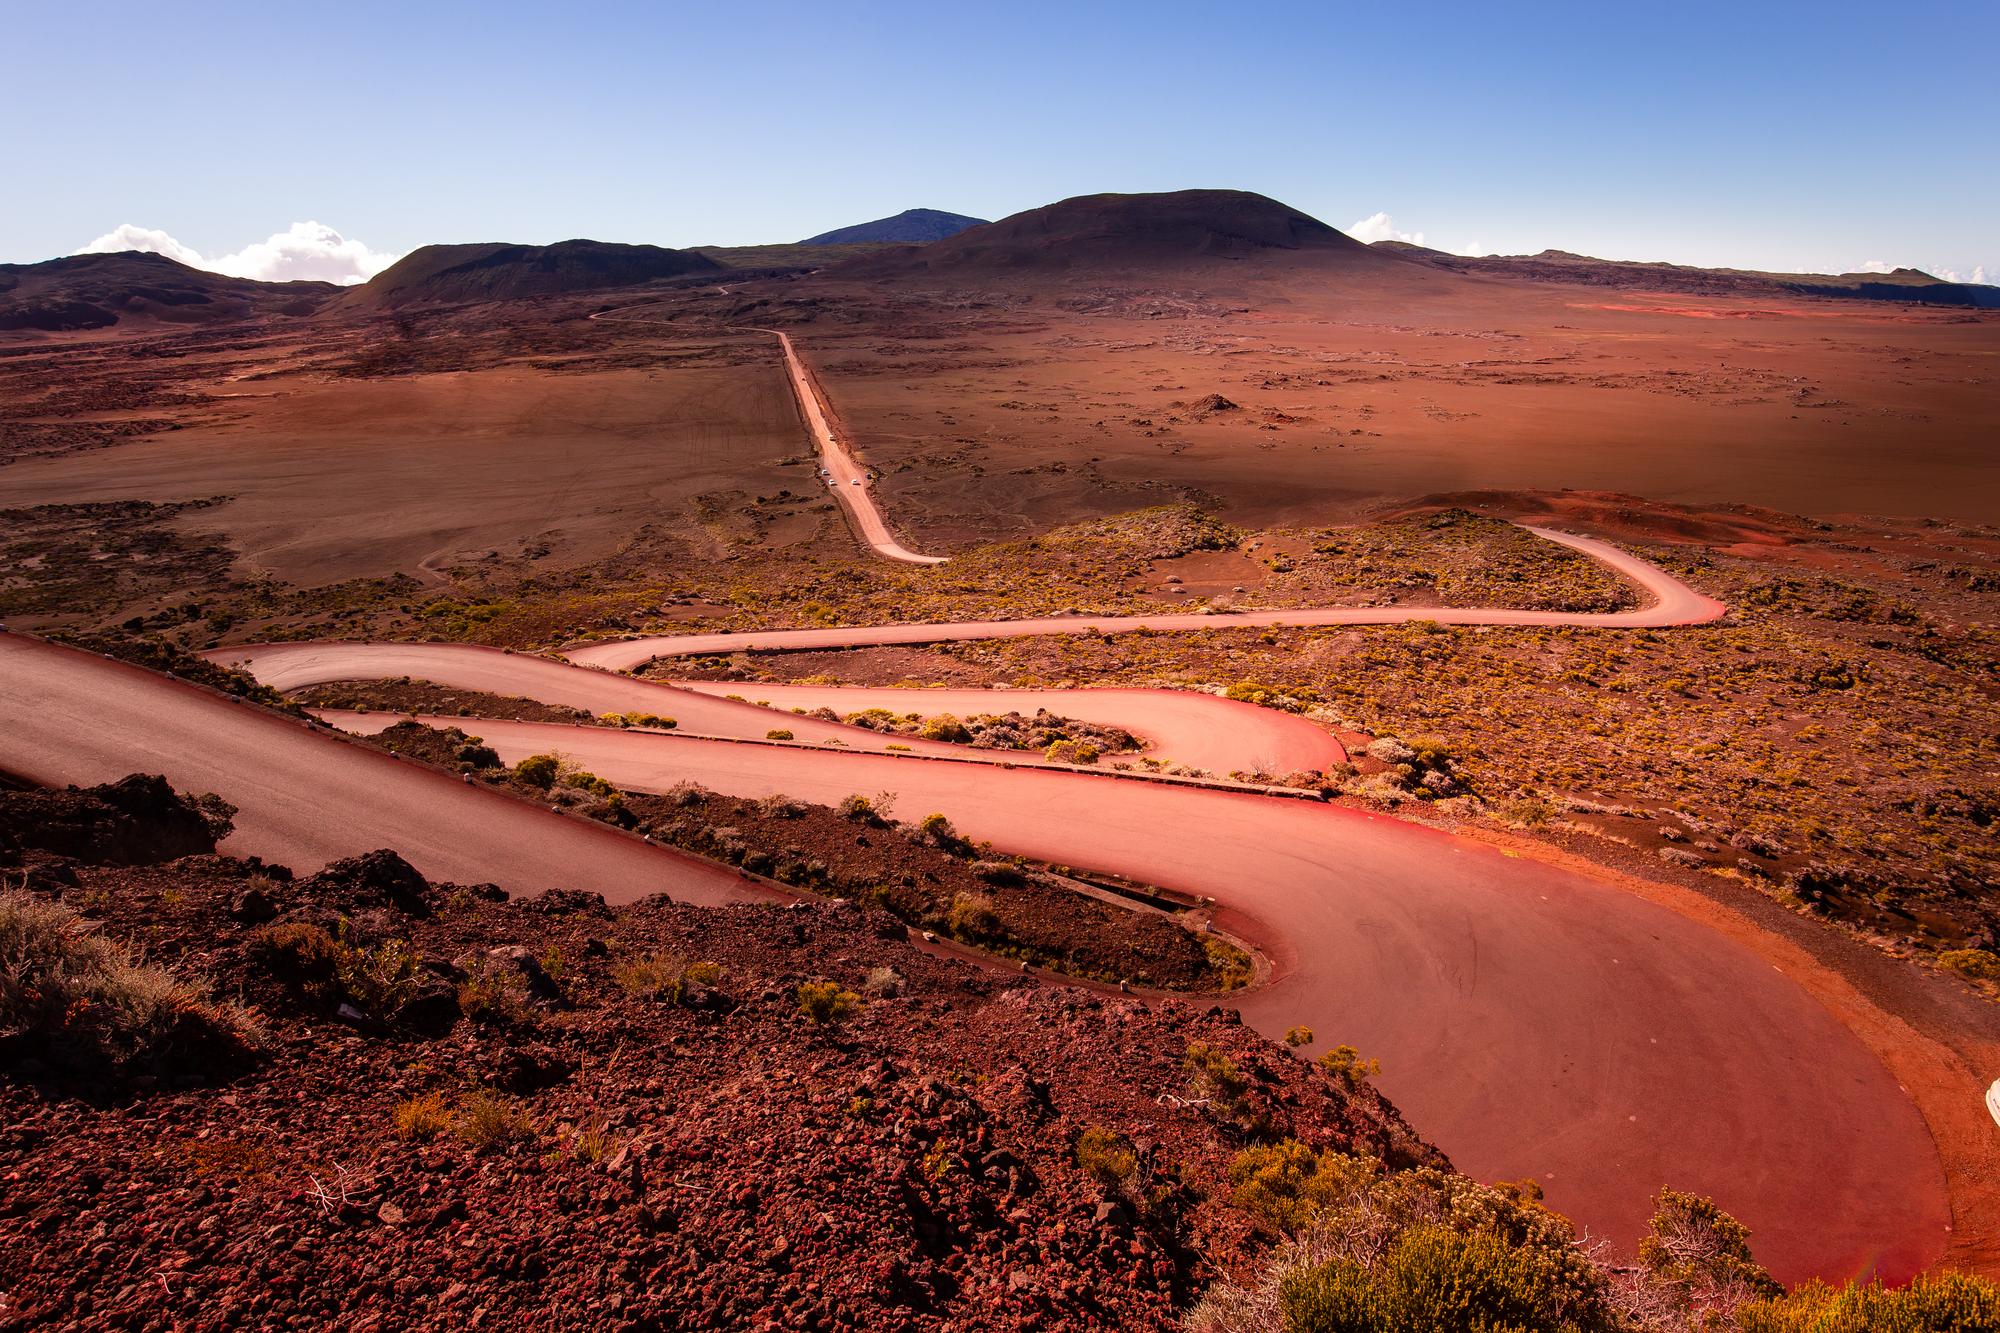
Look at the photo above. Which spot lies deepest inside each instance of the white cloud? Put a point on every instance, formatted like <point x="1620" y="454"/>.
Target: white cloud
<point x="129" y="237"/>
<point x="307" y="251"/>
<point x="1977" y="275"/>
<point x="1382" y="227"/>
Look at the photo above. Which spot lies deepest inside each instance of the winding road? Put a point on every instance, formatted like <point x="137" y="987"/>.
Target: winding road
<point x="1669" y="602"/>
<point x="1532" y="1019"/>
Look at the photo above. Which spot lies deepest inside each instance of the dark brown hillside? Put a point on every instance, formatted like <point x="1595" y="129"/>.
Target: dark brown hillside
<point x="495" y="271"/>
<point x="129" y="286"/>
<point x="1560" y="266"/>
<point x="1126" y="232"/>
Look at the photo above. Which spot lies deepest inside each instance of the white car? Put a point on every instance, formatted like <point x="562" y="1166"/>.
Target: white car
<point x="855" y="482"/>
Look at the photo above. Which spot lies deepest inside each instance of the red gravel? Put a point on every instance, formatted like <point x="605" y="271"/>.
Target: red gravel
<point x="911" y="1168"/>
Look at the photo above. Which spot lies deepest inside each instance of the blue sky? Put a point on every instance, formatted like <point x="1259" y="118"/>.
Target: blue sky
<point x="1774" y="135"/>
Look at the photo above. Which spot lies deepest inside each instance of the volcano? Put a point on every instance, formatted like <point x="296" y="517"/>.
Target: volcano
<point x="457" y="274"/>
<point x="912" y="226"/>
<point x="1130" y="232"/>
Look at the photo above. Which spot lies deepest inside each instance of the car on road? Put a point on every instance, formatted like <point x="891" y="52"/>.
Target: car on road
<point x="855" y="482"/>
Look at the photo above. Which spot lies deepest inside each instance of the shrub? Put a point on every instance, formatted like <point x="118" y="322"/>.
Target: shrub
<point x="331" y="969"/>
<point x="1979" y="964"/>
<point x="663" y="976"/>
<point x="421" y="1119"/>
<point x="538" y="770"/>
<point x="650" y="976"/>
<point x="1105" y="1156"/>
<point x="777" y="734"/>
<point x="1932" y="1303"/>
<point x="1298" y="1036"/>
<point x="1230" y="967"/>
<point x="1346" y="1064"/>
<point x="1269" y="696"/>
<point x="826" y="1003"/>
<point x="1286" y="1184"/>
<point x="1701" y="1252"/>
<point x="653" y="720"/>
<point x="379" y="980"/>
<point x="68" y="991"/>
<point x="590" y="782"/>
<point x="945" y="727"/>
<point x="868" y="809"/>
<point x="1347" y="1211"/>
<point x="494" y="995"/>
<point x="938" y="829"/>
<point x="779" y="806"/>
<point x="972" y="917"/>
<point x="488" y="1122"/>
<point x="1214" y="1074"/>
<point x="1433" y="1278"/>
<point x="300" y="953"/>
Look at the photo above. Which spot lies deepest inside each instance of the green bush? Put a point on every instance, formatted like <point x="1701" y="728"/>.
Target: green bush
<point x="1270" y="696"/>
<point x="1346" y="1064"/>
<point x="1979" y="964"/>
<point x="826" y="1003"/>
<point x="1932" y="1303"/>
<point x="590" y="782"/>
<point x="1105" y="1156"/>
<point x="1214" y="1075"/>
<point x="1285" y="1185"/>
<point x="538" y="770"/>
<point x="1433" y="1280"/>
<point x="653" y="720"/>
<point x="972" y="917"/>
<point x="495" y="995"/>
<point x="1701" y="1251"/>
<point x="945" y="727"/>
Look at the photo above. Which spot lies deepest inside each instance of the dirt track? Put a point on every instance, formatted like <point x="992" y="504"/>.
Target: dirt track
<point x="1672" y="603"/>
<point x="849" y="480"/>
<point x="1538" y="991"/>
<point x="305" y="796"/>
<point x="1535" y="1020"/>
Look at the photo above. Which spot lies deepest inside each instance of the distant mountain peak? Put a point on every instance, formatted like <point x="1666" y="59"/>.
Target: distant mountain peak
<point x="1130" y="232"/>
<point x="912" y="226"/>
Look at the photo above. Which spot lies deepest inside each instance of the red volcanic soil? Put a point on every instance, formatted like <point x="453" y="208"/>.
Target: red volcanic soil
<point x="1357" y="386"/>
<point x="695" y="1158"/>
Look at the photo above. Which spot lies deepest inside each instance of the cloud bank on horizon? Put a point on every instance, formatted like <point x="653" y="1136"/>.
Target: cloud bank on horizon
<point x="1977" y="276"/>
<point x="306" y="252"/>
